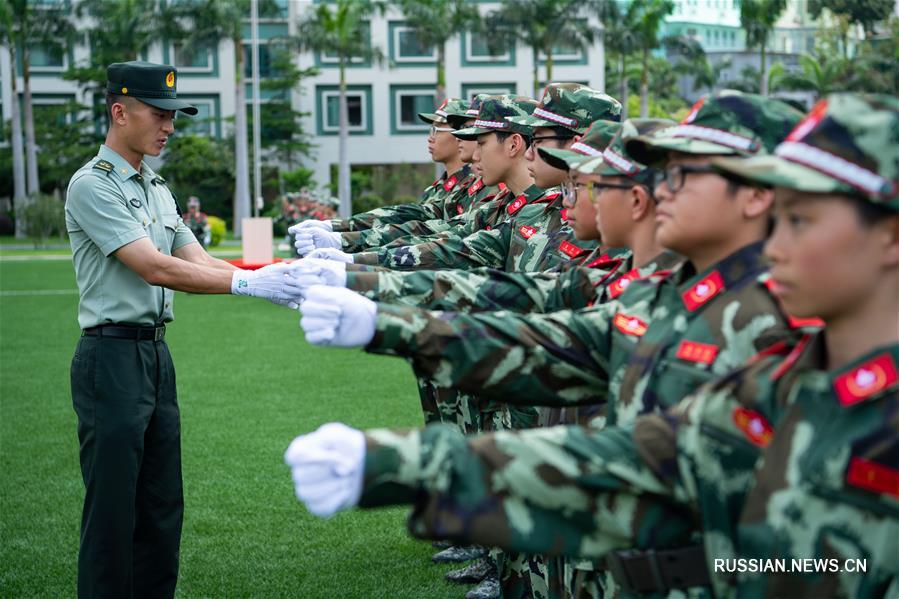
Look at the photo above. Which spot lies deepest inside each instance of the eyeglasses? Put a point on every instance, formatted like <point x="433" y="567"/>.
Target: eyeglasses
<point x="434" y="130"/>
<point x="569" y="191"/>
<point x="675" y="176"/>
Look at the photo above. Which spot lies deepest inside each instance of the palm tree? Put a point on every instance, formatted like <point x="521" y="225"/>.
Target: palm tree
<point x="820" y="75"/>
<point x="120" y="32"/>
<point x="203" y="24"/>
<point x="542" y="25"/>
<point x="648" y="18"/>
<point x="19" y="199"/>
<point x="620" y="40"/>
<point x="339" y="29"/>
<point x="435" y="22"/>
<point x="758" y="17"/>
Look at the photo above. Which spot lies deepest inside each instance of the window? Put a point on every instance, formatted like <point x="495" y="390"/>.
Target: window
<point x="265" y="61"/>
<point x="359" y="109"/>
<point x="476" y="51"/>
<point x="206" y="122"/>
<point x="194" y="60"/>
<point x="406" y="48"/>
<point x="566" y="53"/>
<point x="50" y="108"/>
<point x="327" y="59"/>
<point x="42" y="59"/>
<point x="405" y="103"/>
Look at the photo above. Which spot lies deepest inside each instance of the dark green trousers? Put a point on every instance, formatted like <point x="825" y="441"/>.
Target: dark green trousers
<point x="124" y="396"/>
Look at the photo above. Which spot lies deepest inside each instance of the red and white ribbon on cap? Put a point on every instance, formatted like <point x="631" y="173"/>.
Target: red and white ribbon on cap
<point x="582" y="148"/>
<point x="491" y="124"/>
<point x="717" y="136"/>
<point x="440" y="112"/>
<point x="556" y="118"/>
<point x="472" y="112"/>
<point x="834" y="166"/>
<point x="619" y="162"/>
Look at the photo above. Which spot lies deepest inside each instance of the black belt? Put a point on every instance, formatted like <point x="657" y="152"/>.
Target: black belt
<point x="118" y="331"/>
<point x="647" y="571"/>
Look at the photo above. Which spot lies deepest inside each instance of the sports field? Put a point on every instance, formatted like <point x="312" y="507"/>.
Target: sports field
<point x="248" y="383"/>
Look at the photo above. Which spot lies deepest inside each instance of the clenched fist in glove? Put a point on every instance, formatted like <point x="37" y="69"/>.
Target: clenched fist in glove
<point x="312" y="271"/>
<point x="311" y="238"/>
<point x="327" y="468"/>
<point x="331" y="254"/>
<point x="337" y="317"/>
<point x="269" y="282"/>
<point x="309" y="224"/>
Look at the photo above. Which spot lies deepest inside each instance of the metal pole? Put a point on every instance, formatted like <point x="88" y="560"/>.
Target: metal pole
<point x="257" y="152"/>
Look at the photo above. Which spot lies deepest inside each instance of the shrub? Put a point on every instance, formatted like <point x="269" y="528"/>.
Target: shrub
<point x="216" y="230"/>
<point x="44" y="216"/>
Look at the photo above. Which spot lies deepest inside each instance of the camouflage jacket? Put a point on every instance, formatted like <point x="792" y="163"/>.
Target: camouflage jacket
<point x="646" y="349"/>
<point x="429" y="207"/>
<point x="419" y="231"/>
<point x="781" y="459"/>
<point x="487" y="289"/>
<point x="500" y="241"/>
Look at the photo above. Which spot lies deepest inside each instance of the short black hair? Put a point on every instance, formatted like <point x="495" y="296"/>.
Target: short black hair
<point x="561" y="131"/>
<point x="868" y="212"/>
<point x="502" y="136"/>
<point x="110" y="100"/>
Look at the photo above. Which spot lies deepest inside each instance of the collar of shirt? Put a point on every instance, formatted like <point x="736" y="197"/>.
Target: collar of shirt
<point x="123" y="169"/>
<point x="748" y="261"/>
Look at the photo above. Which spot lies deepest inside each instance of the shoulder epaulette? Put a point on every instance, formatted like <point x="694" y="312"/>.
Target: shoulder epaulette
<point x="104" y="165"/>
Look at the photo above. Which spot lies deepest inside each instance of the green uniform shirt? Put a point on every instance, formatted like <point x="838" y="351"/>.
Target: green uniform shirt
<point x="109" y="205"/>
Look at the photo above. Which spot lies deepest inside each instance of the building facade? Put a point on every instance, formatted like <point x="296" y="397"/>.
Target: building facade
<point x="383" y="99"/>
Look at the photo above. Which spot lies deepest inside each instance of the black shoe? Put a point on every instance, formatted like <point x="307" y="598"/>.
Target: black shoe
<point x="488" y="589"/>
<point x="459" y="554"/>
<point x="472" y="573"/>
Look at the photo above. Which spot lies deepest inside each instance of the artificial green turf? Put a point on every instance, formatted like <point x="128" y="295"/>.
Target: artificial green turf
<point x="248" y="383"/>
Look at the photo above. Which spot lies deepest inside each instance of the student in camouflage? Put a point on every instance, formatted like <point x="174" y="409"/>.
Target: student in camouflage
<point x="443" y="149"/>
<point x="793" y="456"/>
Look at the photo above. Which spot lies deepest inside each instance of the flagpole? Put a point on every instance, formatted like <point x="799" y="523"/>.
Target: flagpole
<point x="257" y="151"/>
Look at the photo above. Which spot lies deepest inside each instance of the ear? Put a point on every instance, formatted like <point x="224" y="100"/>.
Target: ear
<point x="118" y="112"/>
<point x="757" y="201"/>
<point x="517" y="147"/>
<point x="891" y="240"/>
<point x="642" y="204"/>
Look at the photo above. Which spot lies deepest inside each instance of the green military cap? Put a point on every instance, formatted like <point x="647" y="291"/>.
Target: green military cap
<point x="492" y="117"/>
<point x="615" y="161"/>
<point x="848" y="144"/>
<point x="572" y="106"/>
<point x="589" y="147"/>
<point x="456" y="121"/>
<point x="450" y="106"/>
<point x="728" y="122"/>
<point x="152" y="84"/>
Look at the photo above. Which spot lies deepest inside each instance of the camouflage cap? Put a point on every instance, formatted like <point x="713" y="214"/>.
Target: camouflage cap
<point x="493" y="113"/>
<point x="616" y="162"/>
<point x="572" y="106"/>
<point x="471" y="112"/>
<point x="441" y="115"/>
<point x="589" y="147"/>
<point x="848" y="144"/>
<point x="728" y="122"/>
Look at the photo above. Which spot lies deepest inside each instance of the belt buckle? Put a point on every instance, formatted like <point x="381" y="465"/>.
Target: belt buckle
<point x="159" y="333"/>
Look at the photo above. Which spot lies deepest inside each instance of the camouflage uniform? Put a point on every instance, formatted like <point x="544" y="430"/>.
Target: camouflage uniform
<point x="778" y="459"/>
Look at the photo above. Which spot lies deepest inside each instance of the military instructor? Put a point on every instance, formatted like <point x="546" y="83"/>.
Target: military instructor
<point x="130" y="250"/>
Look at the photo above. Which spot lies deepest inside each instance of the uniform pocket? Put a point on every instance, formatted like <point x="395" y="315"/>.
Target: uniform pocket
<point x="170" y="221"/>
<point x="83" y="377"/>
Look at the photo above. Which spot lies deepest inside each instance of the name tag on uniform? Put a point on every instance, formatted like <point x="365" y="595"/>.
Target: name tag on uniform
<point x="693" y="351"/>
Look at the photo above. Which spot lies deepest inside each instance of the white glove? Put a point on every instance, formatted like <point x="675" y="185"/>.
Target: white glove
<point x="327" y="468"/>
<point x="314" y="238"/>
<point x="331" y="254"/>
<point x="311" y="271"/>
<point x="337" y="317"/>
<point x="310" y="224"/>
<point x="269" y="282"/>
